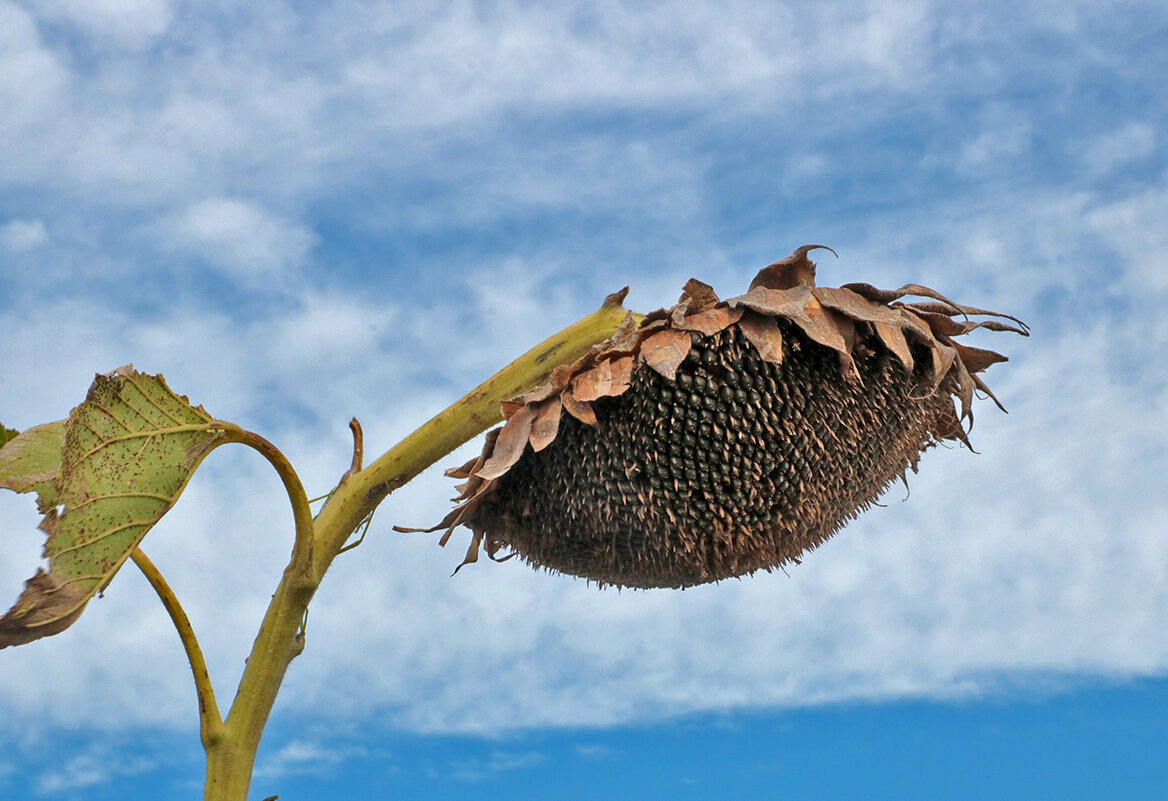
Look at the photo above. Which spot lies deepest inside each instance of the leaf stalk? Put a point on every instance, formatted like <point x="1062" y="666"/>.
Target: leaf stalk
<point x="210" y="722"/>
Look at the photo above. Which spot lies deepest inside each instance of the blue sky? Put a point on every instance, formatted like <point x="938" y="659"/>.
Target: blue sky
<point x="304" y="212"/>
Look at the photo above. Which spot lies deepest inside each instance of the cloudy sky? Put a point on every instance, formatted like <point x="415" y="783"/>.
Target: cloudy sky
<point x="303" y="212"/>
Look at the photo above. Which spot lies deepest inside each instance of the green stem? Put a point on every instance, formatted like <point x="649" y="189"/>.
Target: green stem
<point x="359" y="493"/>
<point x="279" y="641"/>
<point x="210" y="723"/>
<point x="280" y="638"/>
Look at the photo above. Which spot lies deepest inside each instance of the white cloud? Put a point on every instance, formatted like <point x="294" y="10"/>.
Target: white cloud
<point x="1134" y="225"/>
<point x="32" y="84"/>
<point x="301" y="757"/>
<point x="99" y="766"/>
<point x="171" y="127"/>
<point x="120" y="23"/>
<point x="19" y="235"/>
<point x="239" y="237"/>
<point x="477" y="770"/>
<point x="1132" y="141"/>
<point x="582" y="53"/>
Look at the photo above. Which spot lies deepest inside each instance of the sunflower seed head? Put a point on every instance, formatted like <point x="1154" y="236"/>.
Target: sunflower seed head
<point x="718" y="438"/>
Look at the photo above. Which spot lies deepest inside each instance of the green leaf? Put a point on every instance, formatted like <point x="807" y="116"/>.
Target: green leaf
<point x="29" y="462"/>
<point x="126" y="455"/>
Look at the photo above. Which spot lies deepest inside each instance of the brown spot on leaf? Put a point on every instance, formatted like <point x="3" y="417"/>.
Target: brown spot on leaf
<point x="125" y="456"/>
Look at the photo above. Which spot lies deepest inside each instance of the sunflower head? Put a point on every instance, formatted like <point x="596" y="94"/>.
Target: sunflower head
<point x="720" y="437"/>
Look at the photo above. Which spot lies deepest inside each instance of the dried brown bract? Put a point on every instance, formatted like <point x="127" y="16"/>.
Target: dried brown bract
<point x="720" y="437"/>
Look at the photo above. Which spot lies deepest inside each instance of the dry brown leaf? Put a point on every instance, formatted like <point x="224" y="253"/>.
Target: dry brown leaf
<point x="854" y="305"/>
<point x="821" y="326"/>
<point x="790" y="272"/>
<point x="509" y="447"/>
<point x="665" y="350"/>
<point x="943" y="357"/>
<point x="778" y="302"/>
<point x="763" y="332"/>
<point x="709" y="321"/>
<point x="581" y="410"/>
<point x="893" y="338"/>
<point x="48" y="605"/>
<point x="973" y="311"/>
<point x="698" y="296"/>
<point x="609" y="377"/>
<point x="546" y="424"/>
<point x="978" y="359"/>
<point x="889" y="295"/>
<point x="977" y="382"/>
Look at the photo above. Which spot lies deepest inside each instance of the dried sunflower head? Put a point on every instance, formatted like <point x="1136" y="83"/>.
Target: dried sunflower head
<point x="720" y="437"/>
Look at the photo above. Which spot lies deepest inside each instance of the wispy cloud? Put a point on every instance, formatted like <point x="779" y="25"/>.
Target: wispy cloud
<point x="88" y="770"/>
<point x="19" y="235"/>
<point x="478" y="770"/>
<point x="305" y="757"/>
<point x="243" y="239"/>
<point x="1131" y="142"/>
<point x="113" y="23"/>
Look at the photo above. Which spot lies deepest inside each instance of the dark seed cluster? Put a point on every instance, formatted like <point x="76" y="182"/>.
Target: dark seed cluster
<point x="738" y="464"/>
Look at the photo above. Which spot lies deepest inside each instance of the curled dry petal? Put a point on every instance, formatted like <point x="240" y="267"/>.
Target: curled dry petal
<point x="889" y="295"/>
<point x="763" y="332"/>
<point x="892" y="336"/>
<point x="977" y="359"/>
<point x="665" y="350"/>
<point x="973" y="311"/>
<point x="581" y="410"/>
<point x="717" y="438"/>
<point x="509" y="447"/>
<point x="709" y="321"/>
<point x="697" y="296"/>
<point x="609" y="377"/>
<point x="546" y="424"/>
<point x="790" y="272"/>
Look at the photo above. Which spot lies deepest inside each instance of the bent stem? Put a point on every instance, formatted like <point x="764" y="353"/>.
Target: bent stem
<point x="231" y="757"/>
<point x="230" y="760"/>
<point x="210" y="723"/>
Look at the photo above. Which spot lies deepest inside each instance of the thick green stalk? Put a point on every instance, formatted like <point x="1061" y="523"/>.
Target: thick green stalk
<point x="360" y="492"/>
<point x="230" y="758"/>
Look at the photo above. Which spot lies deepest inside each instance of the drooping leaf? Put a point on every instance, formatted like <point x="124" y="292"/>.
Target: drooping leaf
<point x="125" y="456"/>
